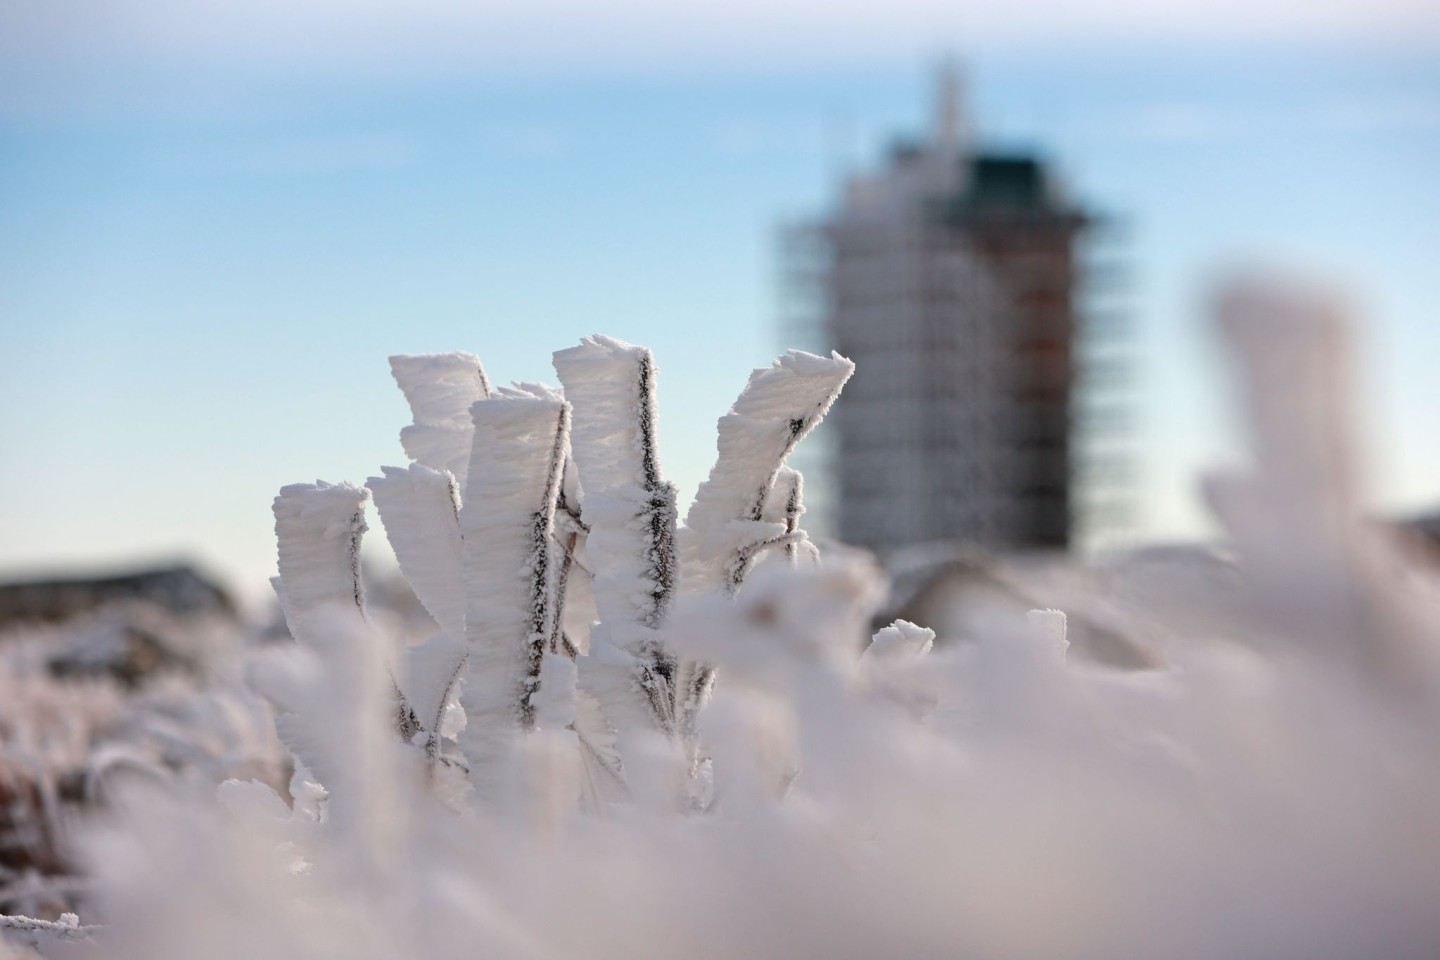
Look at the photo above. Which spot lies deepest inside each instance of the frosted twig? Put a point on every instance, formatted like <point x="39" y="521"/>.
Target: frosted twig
<point x="783" y="508"/>
<point x="792" y="485"/>
<point x="432" y="670"/>
<point x="546" y="590"/>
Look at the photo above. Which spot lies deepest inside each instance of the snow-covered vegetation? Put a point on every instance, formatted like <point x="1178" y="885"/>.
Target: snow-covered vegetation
<point x="630" y="737"/>
<point x="127" y="693"/>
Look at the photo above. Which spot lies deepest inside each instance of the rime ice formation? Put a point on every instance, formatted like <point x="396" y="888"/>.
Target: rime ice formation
<point x="432" y="671"/>
<point x="1048" y="630"/>
<point x="420" y="508"/>
<point x="318" y="528"/>
<point x="42" y="933"/>
<point x="440" y="388"/>
<point x="629" y="509"/>
<point x="891" y="664"/>
<point x="629" y="517"/>
<point x="784" y="506"/>
<point x="317" y="531"/>
<point x="778" y="407"/>
<point x="522" y="439"/>
<point x="899" y="640"/>
<point x="727" y="526"/>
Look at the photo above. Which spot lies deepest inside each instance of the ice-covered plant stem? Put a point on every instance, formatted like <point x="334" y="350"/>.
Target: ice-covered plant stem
<point x="728" y="525"/>
<point x="511" y="568"/>
<point x="318" y="528"/>
<point x="631" y="517"/>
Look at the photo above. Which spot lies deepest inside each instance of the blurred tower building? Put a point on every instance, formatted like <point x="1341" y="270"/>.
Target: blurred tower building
<point x="951" y="279"/>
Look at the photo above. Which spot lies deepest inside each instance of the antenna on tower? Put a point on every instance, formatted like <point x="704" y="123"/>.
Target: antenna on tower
<point x="951" y="131"/>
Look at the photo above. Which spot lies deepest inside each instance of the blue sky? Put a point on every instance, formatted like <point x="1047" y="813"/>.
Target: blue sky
<point x="216" y="221"/>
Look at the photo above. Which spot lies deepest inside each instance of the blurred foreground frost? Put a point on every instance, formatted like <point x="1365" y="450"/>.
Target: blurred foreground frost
<point x="629" y="739"/>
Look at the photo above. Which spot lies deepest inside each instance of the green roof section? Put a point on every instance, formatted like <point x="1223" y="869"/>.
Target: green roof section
<point x="1007" y="186"/>
<point x="1008" y="182"/>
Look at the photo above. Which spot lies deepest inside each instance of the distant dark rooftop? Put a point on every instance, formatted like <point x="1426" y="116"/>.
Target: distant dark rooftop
<point x="1007" y="181"/>
<point x="179" y="589"/>
<point x="1007" y="185"/>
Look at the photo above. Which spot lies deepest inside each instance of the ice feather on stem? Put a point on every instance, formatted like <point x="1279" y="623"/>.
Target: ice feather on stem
<point x="517" y="463"/>
<point x="785" y="506"/>
<point x="726" y="526"/>
<point x="318" y="530"/>
<point x="631" y="538"/>
<point x="420" y="508"/>
<point x="440" y="387"/>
